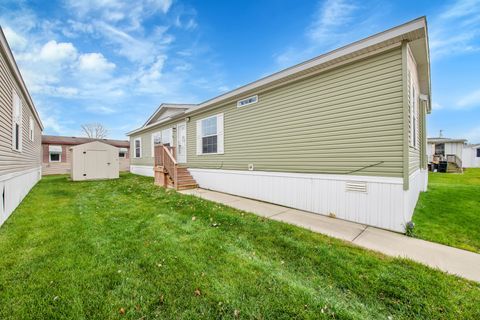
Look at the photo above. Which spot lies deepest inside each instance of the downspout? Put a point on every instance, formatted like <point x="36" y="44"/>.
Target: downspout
<point x="423" y="150"/>
<point x="405" y="107"/>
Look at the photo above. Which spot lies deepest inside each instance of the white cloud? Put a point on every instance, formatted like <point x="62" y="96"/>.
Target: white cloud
<point x="15" y="40"/>
<point x="95" y="62"/>
<point x="136" y="49"/>
<point x="332" y="14"/>
<point x="470" y="100"/>
<point x="58" y="52"/>
<point x="131" y="13"/>
<point x="456" y="29"/>
<point x="101" y="110"/>
<point x="334" y="23"/>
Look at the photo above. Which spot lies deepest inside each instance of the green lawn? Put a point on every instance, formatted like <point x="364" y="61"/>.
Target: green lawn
<point x="449" y="212"/>
<point x="125" y="249"/>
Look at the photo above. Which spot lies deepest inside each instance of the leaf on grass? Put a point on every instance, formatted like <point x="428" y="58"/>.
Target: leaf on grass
<point x="161" y="299"/>
<point x="122" y="311"/>
<point x="236" y="313"/>
<point x="198" y="292"/>
<point x="194" y="218"/>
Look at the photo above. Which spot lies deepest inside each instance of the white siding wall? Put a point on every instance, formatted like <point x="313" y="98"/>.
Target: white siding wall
<point x="142" y="170"/>
<point x="14" y="187"/>
<point x="470" y="159"/>
<point x="385" y="204"/>
<point x="454" y="148"/>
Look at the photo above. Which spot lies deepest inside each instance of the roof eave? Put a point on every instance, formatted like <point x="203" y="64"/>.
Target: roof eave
<point x="18" y="77"/>
<point x="351" y="49"/>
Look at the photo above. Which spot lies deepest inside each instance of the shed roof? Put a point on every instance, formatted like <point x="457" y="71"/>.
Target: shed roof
<point x="445" y="140"/>
<point x="62" y="140"/>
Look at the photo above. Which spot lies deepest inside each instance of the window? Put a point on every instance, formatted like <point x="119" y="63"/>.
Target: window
<point x="122" y="152"/>
<point x="55" y="153"/>
<point x="162" y="137"/>
<point x="440" y="149"/>
<point x="156" y="139"/>
<point x="210" y="135"/>
<point x="16" y="123"/>
<point x="31" y="130"/>
<point x="137" y="150"/>
<point x="167" y="138"/>
<point x="55" y="157"/>
<point x="247" y="101"/>
<point x="478" y="153"/>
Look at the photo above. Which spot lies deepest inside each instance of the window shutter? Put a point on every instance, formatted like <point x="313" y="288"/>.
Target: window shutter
<point x="199" y="137"/>
<point x="220" y="135"/>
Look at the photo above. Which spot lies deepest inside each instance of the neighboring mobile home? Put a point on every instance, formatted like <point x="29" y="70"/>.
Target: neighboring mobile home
<point x="21" y="131"/>
<point x="57" y="158"/>
<point x="471" y="155"/>
<point x="448" y="151"/>
<point x="342" y="134"/>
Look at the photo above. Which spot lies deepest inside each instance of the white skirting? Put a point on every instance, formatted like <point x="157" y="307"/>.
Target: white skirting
<point x="142" y="170"/>
<point x="14" y="187"/>
<point x="375" y="201"/>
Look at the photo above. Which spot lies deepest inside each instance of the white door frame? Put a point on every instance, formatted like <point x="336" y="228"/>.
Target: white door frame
<point x="178" y="139"/>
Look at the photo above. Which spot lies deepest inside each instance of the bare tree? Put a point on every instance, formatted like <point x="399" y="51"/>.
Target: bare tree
<point x="95" y="130"/>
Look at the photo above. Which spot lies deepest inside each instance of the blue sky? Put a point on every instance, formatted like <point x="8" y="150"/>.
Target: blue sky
<point x="114" y="62"/>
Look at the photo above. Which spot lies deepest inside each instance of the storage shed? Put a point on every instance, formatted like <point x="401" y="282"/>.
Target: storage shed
<point x="94" y="160"/>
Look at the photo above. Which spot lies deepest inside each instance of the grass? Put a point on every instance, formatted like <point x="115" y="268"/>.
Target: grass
<point x="449" y="212"/>
<point x="125" y="249"/>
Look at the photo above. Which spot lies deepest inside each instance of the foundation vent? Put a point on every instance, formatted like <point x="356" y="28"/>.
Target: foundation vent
<point x="356" y="186"/>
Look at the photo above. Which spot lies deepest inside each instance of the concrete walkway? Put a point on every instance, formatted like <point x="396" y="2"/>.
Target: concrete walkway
<point x="456" y="261"/>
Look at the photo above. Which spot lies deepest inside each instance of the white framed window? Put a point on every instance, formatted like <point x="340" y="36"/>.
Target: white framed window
<point x="167" y="137"/>
<point x="210" y="136"/>
<point x="137" y="148"/>
<point x="55" y="153"/>
<point x="156" y="139"/>
<point x="164" y="137"/>
<point x="31" y="129"/>
<point x="247" y="101"/>
<point x="122" y="152"/>
<point x="16" y="123"/>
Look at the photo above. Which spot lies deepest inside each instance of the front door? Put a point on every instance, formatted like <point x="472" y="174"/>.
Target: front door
<point x="182" y="142"/>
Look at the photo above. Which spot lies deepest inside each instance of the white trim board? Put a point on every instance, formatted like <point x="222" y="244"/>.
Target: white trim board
<point x="142" y="170"/>
<point x="12" y="175"/>
<point x="375" y="201"/>
<point x="16" y="187"/>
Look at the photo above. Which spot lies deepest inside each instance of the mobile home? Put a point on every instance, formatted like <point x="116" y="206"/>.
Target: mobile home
<point x="21" y="131"/>
<point x="341" y="134"/>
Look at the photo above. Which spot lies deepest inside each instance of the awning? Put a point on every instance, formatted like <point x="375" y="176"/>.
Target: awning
<point x="55" y="149"/>
<point x="122" y="149"/>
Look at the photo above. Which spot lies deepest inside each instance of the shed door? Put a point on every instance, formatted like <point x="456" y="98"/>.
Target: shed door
<point x="182" y="142"/>
<point x="96" y="164"/>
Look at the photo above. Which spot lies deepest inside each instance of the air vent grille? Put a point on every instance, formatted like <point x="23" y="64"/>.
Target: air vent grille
<point x="356" y="186"/>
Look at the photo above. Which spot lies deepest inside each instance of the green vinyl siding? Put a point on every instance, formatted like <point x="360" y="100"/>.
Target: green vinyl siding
<point x="147" y="156"/>
<point x="340" y="121"/>
<point x="413" y="159"/>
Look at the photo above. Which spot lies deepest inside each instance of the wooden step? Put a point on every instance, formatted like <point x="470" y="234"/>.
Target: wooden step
<point x="187" y="187"/>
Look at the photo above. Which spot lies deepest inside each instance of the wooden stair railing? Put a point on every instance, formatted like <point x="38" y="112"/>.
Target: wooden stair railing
<point x="165" y="157"/>
<point x="453" y="158"/>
